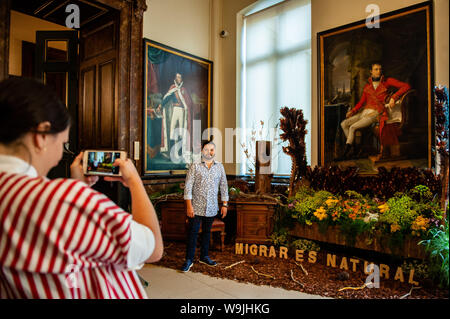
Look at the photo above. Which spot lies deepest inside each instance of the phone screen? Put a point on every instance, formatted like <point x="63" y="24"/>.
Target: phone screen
<point x="102" y="162"/>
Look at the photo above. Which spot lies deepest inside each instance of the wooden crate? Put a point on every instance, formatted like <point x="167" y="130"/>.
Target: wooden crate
<point x="173" y="219"/>
<point x="380" y="243"/>
<point x="254" y="222"/>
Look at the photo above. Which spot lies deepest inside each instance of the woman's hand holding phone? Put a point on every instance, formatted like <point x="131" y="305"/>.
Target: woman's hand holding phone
<point x="76" y="171"/>
<point x="129" y="173"/>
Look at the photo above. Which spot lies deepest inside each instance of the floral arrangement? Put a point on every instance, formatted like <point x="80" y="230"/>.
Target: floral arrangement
<point x="410" y="214"/>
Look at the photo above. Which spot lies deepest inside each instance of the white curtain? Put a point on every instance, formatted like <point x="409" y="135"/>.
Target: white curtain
<point x="275" y="55"/>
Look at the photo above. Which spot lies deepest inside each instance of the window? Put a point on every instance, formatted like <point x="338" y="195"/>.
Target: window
<point x="275" y="71"/>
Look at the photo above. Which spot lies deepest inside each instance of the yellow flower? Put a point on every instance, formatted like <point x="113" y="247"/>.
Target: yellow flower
<point x="419" y="224"/>
<point x="320" y="213"/>
<point x="394" y="228"/>
<point x="330" y="201"/>
<point x="383" y="208"/>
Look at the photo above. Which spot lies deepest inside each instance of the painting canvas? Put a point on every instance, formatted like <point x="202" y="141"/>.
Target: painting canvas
<point x="390" y="118"/>
<point x="177" y="106"/>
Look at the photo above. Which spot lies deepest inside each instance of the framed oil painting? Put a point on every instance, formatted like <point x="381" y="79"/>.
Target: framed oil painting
<point x="375" y="92"/>
<point x="177" y="106"/>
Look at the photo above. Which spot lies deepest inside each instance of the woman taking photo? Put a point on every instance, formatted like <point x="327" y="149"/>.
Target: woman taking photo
<point x="60" y="238"/>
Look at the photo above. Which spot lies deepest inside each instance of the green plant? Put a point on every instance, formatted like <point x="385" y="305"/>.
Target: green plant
<point x="351" y="229"/>
<point x="421" y="268"/>
<point x="306" y="245"/>
<point x="437" y="247"/>
<point x="307" y="202"/>
<point x="234" y="191"/>
<point x="400" y="214"/>
<point x="280" y="238"/>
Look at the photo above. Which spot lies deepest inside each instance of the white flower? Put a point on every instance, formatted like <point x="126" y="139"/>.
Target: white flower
<point x="369" y="217"/>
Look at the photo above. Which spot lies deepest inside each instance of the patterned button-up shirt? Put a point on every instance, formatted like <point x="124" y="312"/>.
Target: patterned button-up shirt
<point x="202" y="187"/>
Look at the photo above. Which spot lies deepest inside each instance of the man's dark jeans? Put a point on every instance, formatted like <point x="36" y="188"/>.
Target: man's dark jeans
<point x="194" y="226"/>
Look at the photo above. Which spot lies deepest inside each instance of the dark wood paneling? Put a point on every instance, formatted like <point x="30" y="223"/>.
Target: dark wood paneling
<point x="107" y="88"/>
<point x="98" y="66"/>
<point x="99" y="40"/>
<point x="87" y="107"/>
<point x="5" y="6"/>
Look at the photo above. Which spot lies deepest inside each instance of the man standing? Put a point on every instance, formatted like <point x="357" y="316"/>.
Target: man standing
<point x="200" y="193"/>
<point x="178" y="99"/>
<point x="372" y="104"/>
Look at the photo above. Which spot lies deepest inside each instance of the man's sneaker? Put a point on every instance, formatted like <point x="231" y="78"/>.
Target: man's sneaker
<point x="187" y="265"/>
<point x="208" y="261"/>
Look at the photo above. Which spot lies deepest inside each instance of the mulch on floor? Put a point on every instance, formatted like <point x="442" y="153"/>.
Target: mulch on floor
<point x="287" y="274"/>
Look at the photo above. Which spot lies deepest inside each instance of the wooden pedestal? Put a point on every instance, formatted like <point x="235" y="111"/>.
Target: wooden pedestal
<point x="173" y="219"/>
<point x="254" y="222"/>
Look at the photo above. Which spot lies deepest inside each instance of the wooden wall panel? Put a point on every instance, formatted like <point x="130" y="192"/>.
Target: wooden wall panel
<point x="87" y="107"/>
<point x="106" y="136"/>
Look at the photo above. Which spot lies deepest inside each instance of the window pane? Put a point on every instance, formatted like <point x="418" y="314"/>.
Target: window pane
<point x="260" y="37"/>
<point x="295" y="28"/>
<point x="276" y="72"/>
<point x="294" y="90"/>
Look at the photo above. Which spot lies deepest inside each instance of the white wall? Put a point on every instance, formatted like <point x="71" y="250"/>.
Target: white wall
<point x="182" y="24"/>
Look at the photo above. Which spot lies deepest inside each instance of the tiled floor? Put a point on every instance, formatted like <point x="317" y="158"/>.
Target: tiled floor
<point x="165" y="283"/>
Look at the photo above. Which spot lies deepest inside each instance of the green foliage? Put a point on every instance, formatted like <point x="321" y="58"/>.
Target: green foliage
<point x="306" y="245"/>
<point x="401" y="212"/>
<point x="421" y="268"/>
<point x="354" y="195"/>
<point x="234" y="191"/>
<point x="307" y="202"/>
<point x="351" y="229"/>
<point x="437" y="247"/>
<point x="280" y="238"/>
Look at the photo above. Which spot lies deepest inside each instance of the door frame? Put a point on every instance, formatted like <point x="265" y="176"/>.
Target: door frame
<point x="130" y="67"/>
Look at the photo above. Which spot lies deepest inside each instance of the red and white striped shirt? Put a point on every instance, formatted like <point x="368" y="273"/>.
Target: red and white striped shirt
<point x="61" y="239"/>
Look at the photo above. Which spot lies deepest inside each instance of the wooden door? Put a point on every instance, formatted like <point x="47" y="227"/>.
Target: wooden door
<point x="98" y="90"/>
<point x="58" y="69"/>
<point x="98" y="93"/>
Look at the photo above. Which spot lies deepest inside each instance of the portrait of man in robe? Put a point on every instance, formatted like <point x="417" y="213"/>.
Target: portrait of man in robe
<point x="178" y="93"/>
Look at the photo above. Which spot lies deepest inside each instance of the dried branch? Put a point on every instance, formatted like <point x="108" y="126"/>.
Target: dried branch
<point x="232" y="265"/>
<point x="304" y="270"/>
<point x="355" y="288"/>
<point x="296" y="281"/>
<point x="261" y="274"/>
<point x="409" y="293"/>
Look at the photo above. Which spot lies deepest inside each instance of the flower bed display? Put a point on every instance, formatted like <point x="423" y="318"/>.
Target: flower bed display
<point x="394" y="226"/>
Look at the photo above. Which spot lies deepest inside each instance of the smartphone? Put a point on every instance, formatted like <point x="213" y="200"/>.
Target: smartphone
<point x="100" y="162"/>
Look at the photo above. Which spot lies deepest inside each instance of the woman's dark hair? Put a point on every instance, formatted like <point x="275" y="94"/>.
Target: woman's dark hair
<point x="24" y="104"/>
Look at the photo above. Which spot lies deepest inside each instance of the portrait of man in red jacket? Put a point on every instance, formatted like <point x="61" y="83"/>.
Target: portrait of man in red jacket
<point x="373" y="108"/>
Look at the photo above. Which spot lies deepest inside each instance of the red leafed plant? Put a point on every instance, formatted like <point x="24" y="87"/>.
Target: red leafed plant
<point x="293" y="125"/>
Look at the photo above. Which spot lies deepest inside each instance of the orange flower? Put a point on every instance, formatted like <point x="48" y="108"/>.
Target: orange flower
<point x="420" y="223"/>
<point x="394" y="228"/>
<point x="383" y="208"/>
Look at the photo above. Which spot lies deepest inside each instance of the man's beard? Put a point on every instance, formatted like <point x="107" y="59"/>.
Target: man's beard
<point x="207" y="157"/>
